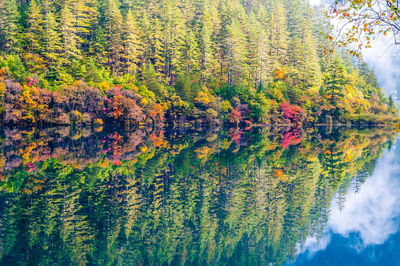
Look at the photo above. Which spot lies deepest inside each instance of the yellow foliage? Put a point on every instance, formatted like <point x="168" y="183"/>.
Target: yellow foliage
<point x="143" y="148"/>
<point x="2" y="88"/>
<point x="226" y="106"/>
<point x="105" y="163"/>
<point x="98" y="122"/>
<point x="202" y="152"/>
<point x="144" y="102"/>
<point x="202" y="98"/>
<point x="2" y="161"/>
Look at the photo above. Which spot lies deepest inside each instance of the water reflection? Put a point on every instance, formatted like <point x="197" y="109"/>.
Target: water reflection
<point x="151" y="198"/>
<point x="370" y="217"/>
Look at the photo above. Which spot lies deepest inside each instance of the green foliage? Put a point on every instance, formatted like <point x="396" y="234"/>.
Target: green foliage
<point x="255" y="55"/>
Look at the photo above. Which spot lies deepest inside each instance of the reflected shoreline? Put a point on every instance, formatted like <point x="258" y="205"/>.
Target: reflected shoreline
<point x="227" y="196"/>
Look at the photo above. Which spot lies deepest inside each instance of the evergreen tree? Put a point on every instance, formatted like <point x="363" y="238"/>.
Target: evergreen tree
<point x="51" y="38"/>
<point x="68" y="31"/>
<point x="335" y="81"/>
<point x="9" y="26"/>
<point x="278" y="36"/>
<point x="132" y="43"/>
<point x="35" y="28"/>
<point x="235" y="43"/>
<point x="114" y="26"/>
<point x="85" y="14"/>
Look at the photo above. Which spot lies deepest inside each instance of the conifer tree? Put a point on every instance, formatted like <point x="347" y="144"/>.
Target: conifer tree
<point x="85" y="14"/>
<point x="158" y="50"/>
<point x="236" y="53"/>
<point x="191" y="54"/>
<point x="9" y="26"/>
<point x="206" y="32"/>
<point x="114" y="35"/>
<point x="278" y="36"/>
<point x="35" y="28"/>
<point x="132" y="43"/>
<point x="69" y="36"/>
<point x="335" y="80"/>
<point x="51" y="39"/>
<point x="174" y="28"/>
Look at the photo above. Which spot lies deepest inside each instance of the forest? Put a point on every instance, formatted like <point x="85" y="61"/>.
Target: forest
<point x="137" y="63"/>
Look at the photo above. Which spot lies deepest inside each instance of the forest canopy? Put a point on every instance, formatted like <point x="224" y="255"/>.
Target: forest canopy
<point x="146" y="62"/>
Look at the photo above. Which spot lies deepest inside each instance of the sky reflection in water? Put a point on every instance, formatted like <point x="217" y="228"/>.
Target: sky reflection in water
<point x="223" y="197"/>
<point x="366" y="230"/>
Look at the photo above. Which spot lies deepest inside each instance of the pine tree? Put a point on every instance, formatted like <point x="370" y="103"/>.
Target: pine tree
<point x="206" y="32"/>
<point x="9" y="42"/>
<point x="191" y="54"/>
<point x="114" y="35"/>
<point x="51" y="39"/>
<point x="85" y="14"/>
<point x="208" y="44"/>
<point x="174" y="29"/>
<point x="278" y="37"/>
<point x="335" y="80"/>
<point x="236" y="54"/>
<point x="132" y="43"/>
<point x="68" y="31"/>
<point x="35" y="28"/>
<point x="158" y="50"/>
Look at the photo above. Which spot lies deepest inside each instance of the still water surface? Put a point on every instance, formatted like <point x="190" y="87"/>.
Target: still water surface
<point x="266" y="196"/>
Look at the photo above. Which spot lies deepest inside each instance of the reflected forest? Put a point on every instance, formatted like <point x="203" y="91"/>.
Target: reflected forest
<point x="228" y="197"/>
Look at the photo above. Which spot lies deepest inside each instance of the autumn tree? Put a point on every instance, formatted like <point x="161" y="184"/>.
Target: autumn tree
<point x="9" y="15"/>
<point x="364" y="20"/>
<point x="35" y="28"/>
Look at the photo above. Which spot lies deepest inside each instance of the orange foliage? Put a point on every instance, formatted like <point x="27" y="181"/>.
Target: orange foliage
<point x="278" y="173"/>
<point x="280" y="74"/>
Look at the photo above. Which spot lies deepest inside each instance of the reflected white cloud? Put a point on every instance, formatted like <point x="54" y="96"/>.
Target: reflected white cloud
<point x="372" y="213"/>
<point x="313" y="244"/>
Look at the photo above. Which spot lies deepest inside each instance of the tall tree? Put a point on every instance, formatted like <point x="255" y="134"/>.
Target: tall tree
<point x="35" y="28"/>
<point x="114" y="26"/>
<point x="9" y="26"/>
<point x="335" y="81"/>
<point x="51" y="38"/>
<point x="132" y="43"/>
<point x="236" y="53"/>
<point x="68" y="31"/>
<point x="278" y="36"/>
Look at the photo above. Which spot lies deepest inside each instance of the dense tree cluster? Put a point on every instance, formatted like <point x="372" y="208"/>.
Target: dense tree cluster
<point x="216" y="57"/>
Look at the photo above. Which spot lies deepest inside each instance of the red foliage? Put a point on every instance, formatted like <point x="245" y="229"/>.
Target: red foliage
<point x="291" y="138"/>
<point x="235" y="116"/>
<point x="117" y="109"/>
<point x="235" y="135"/>
<point x="117" y="147"/>
<point x="30" y="167"/>
<point x="31" y="82"/>
<point x="292" y="112"/>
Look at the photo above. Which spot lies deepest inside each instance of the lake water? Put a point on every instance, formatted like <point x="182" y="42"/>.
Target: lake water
<point x="266" y="196"/>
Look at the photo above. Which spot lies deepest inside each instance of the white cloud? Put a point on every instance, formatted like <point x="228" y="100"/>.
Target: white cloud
<point x="384" y="58"/>
<point x="315" y="2"/>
